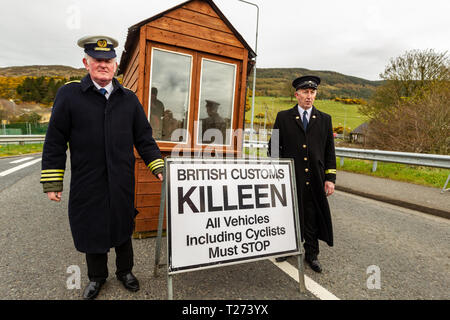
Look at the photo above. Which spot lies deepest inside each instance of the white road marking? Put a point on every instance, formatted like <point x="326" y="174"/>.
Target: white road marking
<point x="22" y="160"/>
<point x="312" y="286"/>
<point x="24" y="165"/>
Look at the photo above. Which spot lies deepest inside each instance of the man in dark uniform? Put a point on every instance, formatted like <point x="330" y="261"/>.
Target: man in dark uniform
<point x="306" y="135"/>
<point x="156" y="114"/>
<point x="100" y="121"/>
<point x="214" y="121"/>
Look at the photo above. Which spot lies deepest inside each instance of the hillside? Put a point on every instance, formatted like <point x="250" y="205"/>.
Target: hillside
<point x="277" y="82"/>
<point x="42" y="71"/>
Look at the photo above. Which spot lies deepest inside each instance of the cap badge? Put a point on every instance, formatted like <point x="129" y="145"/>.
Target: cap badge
<point x="102" y="43"/>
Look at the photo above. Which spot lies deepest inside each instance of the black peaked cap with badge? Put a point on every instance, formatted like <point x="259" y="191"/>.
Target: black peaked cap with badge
<point x="306" y="82"/>
<point x="211" y="103"/>
<point x="99" y="47"/>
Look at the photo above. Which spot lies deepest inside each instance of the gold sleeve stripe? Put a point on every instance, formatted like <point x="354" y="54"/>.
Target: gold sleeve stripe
<point x="48" y="175"/>
<point x="330" y="171"/>
<point x="52" y="170"/>
<point x="72" y="81"/>
<point x="156" y="167"/>
<point x="51" y="179"/>
<point x="158" y="162"/>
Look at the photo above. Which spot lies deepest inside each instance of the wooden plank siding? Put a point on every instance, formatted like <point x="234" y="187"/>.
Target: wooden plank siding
<point x="201" y="7"/>
<point x="131" y="69"/>
<point x="196" y="26"/>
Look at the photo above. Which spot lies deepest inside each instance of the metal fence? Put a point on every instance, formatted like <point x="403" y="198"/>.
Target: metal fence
<point x="417" y="159"/>
<point x="21" y="139"/>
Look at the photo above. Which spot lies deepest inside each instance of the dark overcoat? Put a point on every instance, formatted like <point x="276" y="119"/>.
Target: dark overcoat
<point x="100" y="134"/>
<point x="314" y="158"/>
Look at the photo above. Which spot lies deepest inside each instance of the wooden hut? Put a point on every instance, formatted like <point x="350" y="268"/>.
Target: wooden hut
<point x="189" y="67"/>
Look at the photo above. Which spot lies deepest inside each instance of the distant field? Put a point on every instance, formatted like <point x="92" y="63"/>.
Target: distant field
<point x="341" y="113"/>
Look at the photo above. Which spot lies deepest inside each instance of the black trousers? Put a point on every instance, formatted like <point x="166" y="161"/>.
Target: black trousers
<point x="311" y="229"/>
<point x="97" y="263"/>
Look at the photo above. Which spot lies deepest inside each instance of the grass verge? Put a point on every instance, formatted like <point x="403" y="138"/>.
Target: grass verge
<point x="426" y="176"/>
<point x="17" y="149"/>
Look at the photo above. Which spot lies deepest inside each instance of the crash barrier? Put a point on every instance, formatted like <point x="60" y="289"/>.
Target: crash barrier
<point x="21" y="139"/>
<point x="417" y="159"/>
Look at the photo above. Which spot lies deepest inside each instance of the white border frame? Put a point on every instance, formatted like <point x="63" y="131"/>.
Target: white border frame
<point x="186" y="142"/>
<point x="299" y="250"/>
<point x="197" y="142"/>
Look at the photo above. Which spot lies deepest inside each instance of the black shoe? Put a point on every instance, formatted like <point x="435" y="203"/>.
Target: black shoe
<point x="129" y="282"/>
<point x="314" y="264"/>
<point x="92" y="290"/>
<point x="281" y="259"/>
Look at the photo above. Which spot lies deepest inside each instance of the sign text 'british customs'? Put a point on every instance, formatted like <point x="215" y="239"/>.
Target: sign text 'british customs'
<point x="229" y="211"/>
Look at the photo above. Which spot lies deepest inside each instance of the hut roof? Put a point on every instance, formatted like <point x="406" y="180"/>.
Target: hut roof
<point x="362" y="128"/>
<point x="133" y="33"/>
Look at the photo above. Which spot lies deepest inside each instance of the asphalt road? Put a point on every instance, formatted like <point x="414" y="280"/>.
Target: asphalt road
<point x="381" y="252"/>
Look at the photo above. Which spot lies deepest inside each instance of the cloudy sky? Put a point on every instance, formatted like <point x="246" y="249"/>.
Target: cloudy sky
<point x="354" y="37"/>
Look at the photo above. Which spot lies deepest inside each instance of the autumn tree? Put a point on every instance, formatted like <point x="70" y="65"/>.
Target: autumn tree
<point x="409" y="112"/>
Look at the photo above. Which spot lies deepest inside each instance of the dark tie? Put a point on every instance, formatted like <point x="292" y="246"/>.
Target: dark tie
<point x="305" y="119"/>
<point x="103" y="91"/>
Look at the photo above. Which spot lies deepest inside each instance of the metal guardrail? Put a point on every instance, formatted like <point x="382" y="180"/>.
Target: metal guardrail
<point x="21" y="138"/>
<point x="417" y="159"/>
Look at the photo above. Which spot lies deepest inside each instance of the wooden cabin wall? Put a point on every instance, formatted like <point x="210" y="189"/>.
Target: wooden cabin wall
<point x="196" y="26"/>
<point x="131" y="74"/>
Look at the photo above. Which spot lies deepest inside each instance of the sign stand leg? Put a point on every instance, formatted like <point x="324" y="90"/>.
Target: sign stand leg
<point x="301" y="273"/>
<point x="160" y="225"/>
<point x="445" y="185"/>
<point x="300" y="242"/>
<point x="169" y="287"/>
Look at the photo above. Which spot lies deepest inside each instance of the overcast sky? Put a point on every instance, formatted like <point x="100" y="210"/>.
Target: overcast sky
<point x="354" y="37"/>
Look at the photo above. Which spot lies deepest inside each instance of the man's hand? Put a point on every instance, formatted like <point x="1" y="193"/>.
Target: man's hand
<point x="54" y="196"/>
<point x="160" y="176"/>
<point x="329" y="188"/>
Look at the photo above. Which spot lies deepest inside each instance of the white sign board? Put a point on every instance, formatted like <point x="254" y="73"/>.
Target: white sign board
<point x="229" y="211"/>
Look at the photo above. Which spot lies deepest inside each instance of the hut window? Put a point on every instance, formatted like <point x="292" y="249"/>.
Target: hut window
<point x="216" y="102"/>
<point x="170" y="82"/>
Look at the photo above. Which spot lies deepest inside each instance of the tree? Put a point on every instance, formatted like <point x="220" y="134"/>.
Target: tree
<point x="406" y="76"/>
<point x="409" y="112"/>
<point x="248" y="105"/>
<point x="288" y="90"/>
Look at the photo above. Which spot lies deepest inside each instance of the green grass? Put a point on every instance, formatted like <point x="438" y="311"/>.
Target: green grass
<point x="17" y="150"/>
<point x="426" y="176"/>
<point x="341" y="113"/>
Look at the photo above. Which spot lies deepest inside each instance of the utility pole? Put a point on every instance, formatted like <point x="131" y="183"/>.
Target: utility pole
<point x="254" y="68"/>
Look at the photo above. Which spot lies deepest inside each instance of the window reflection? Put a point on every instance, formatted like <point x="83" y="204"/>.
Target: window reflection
<point x="169" y="101"/>
<point x="216" y="102"/>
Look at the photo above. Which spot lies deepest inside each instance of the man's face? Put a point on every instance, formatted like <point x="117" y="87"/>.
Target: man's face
<point x="305" y="97"/>
<point x="101" y="70"/>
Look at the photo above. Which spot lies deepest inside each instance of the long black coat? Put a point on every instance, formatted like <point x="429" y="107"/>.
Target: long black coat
<point x="100" y="133"/>
<point x="314" y="157"/>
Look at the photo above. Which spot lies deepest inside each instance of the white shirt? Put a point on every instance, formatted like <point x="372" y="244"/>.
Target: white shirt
<point x="308" y="112"/>
<point x="109" y="88"/>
